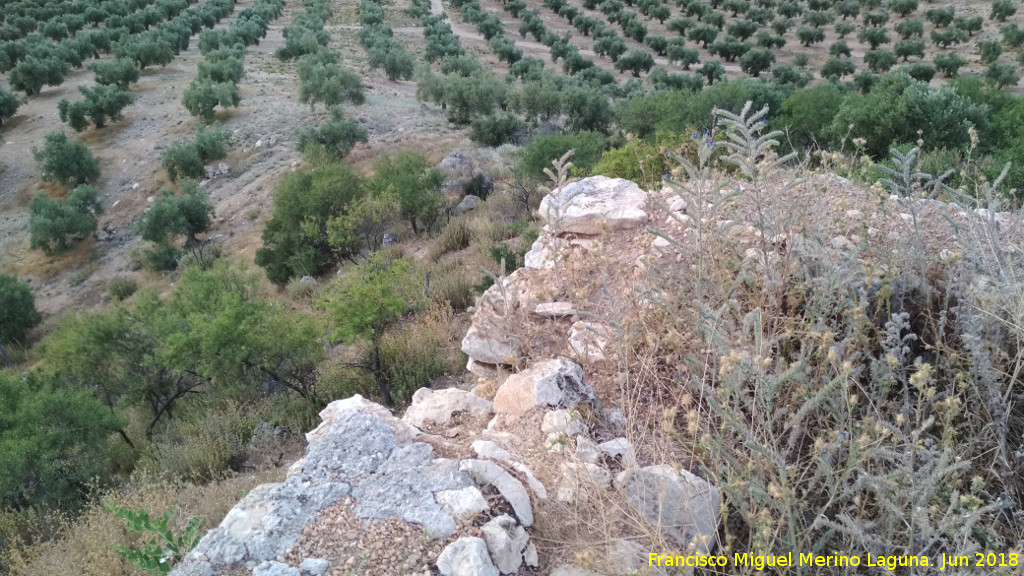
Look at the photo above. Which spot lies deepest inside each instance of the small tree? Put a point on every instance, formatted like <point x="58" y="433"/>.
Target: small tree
<point x="54" y="226"/>
<point x="712" y="70"/>
<point x="903" y="7"/>
<point x="120" y="72"/>
<point x="844" y="28"/>
<point x="188" y="213"/>
<point x="907" y="48"/>
<point x="1002" y="75"/>
<point x="188" y="158"/>
<point x="65" y="161"/>
<point x="703" y="34"/>
<point x="757" y="61"/>
<point x="331" y="140"/>
<point x="17" y="309"/>
<point x="910" y="28"/>
<point x="322" y="80"/>
<point x="1003" y="9"/>
<point x="635" y="61"/>
<point x="102" y="102"/>
<point x="940" y="17"/>
<point x="742" y="29"/>
<point x="839" y="48"/>
<point x="32" y="73"/>
<point x="838" y="67"/>
<point x="949" y="64"/>
<point x="921" y="71"/>
<point x="366" y="302"/>
<point x="809" y="35"/>
<point x="202" y="96"/>
<point x="880" y="60"/>
<point x="9" y="104"/>
<point x="990" y="50"/>
<point x="874" y="36"/>
<point x="411" y="180"/>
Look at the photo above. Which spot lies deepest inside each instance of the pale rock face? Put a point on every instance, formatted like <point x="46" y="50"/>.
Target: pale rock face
<point x="554" y="383"/>
<point x="621" y="449"/>
<point x="329" y="415"/>
<point x="491" y="451"/>
<point x="510" y="488"/>
<point x="589" y="340"/>
<point x="555" y="309"/>
<point x="588" y="450"/>
<point x="468" y="203"/>
<point x="562" y="422"/>
<point x="595" y="205"/>
<point x="462" y="504"/>
<point x="681" y="504"/>
<point x="483" y="348"/>
<point x="438" y="406"/>
<point x="530" y="556"/>
<point x="545" y="253"/>
<point x="315" y="566"/>
<point x="466" y="556"/>
<point x="506" y="540"/>
<point x="274" y="569"/>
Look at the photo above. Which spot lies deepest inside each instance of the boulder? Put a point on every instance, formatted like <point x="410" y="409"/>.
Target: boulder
<point x="588" y="450"/>
<point x="506" y="540"/>
<point x="468" y="203"/>
<point x="464" y="503"/>
<point x="545" y="252"/>
<point x="621" y="450"/>
<point x="684" y="506"/>
<point x="438" y="406"/>
<point x="510" y="488"/>
<point x="594" y="205"/>
<point x="458" y="164"/>
<point x="466" y="556"/>
<point x="588" y="340"/>
<point x="554" y="309"/>
<point x="562" y="422"/>
<point x="315" y="566"/>
<point x="550" y="383"/>
<point x="487" y="349"/>
<point x="274" y="569"/>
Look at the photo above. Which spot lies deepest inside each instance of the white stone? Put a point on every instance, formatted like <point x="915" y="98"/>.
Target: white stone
<point x="684" y="506"/>
<point x="467" y="556"/>
<point x="315" y="566"/>
<point x="463" y="504"/>
<point x="562" y="422"/>
<point x="506" y="540"/>
<point x="404" y="433"/>
<point x="555" y="309"/>
<point x="622" y="449"/>
<point x="573" y="474"/>
<point x="545" y="252"/>
<point x="589" y="340"/>
<point x="485" y="349"/>
<point x="676" y="204"/>
<point x="510" y="488"/>
<point x="530" y="556"/>
<point x="439" y="406"/>
<point x="572" y="570"/>
<point x="491" y="451"/>
<point x="556" y="382"/>
<point x="594" y="205"/>
<point x="661" y="242"/>
<point x="588" y="450"/>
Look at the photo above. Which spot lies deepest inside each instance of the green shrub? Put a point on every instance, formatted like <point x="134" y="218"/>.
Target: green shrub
<point x="495" y="130"/>
<point x="65" y="161"/>
<point x="203" y="95"/>
<point x="322" y="80"/>
<point x="414" y="183"/>
<point x="54" y="225"/>
<point x="637" y="161"/>
<point x="164" y="548"/>
<point x="122" y="288"/>
<point x="538" y="154"/>
<point x="101" y="103"/>
<point x="188" y="213"/>
<point x="9" y="104"/>
<point x="331" y="140"/>
<point x="118" y="72"/>
<point x="295" y="239"/>
<point x="187" y="159"/>
<point x="454" y="237"/>
<point x="17" y="309"/>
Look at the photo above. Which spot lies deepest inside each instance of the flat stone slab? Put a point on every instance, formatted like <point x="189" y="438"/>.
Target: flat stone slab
<point x="594" y="205"/>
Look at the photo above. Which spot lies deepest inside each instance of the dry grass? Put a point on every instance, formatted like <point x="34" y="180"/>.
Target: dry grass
<point x="88" y="544"/>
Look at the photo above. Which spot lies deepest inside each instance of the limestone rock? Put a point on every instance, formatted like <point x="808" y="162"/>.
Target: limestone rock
<point x="554" y="383"/>
<point x="530" y="556"/>
<point x="510" y="488"/>
<point x="315" y="566"/>
<point x="506" y="540"/>
<point x="622" y="450"/>
<point x="468" y="203"/>
<point x="458" y="164"/>
<point x="588" y="340"/>
<point x="466" y="556"/>
<point x="574" y="475"/>
<point x="274" y="569"/>
<point x="545" y="252"/>
<point x="587" y="450"/>
<point x="594" y="205"/>
<point x="491" y="451"/>
<point x="625" y="557"/>
<point x="555" y="309"/>
<point x="487" y="349"/>
<point x="464" y="503"/>
<point x="683" y="505"/>
<point x="562" y="422"/>
<point x="438" y="406"/>
<point x="572" y="570"/>
<point x="329" y="415"/>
